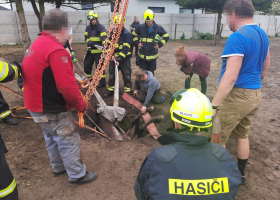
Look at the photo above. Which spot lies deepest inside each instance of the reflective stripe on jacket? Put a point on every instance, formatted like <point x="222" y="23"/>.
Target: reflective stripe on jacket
<point x="123" y="47"/>
<point x="95" y="35"/>
<point x="8" y="72"/>
<point x="148" y="52"/>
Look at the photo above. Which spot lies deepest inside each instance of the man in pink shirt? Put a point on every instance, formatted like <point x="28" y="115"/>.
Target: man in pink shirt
<point x="193" y="63"/>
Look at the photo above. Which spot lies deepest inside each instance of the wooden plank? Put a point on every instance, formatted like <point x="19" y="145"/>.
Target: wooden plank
<point x="151" y="127"/>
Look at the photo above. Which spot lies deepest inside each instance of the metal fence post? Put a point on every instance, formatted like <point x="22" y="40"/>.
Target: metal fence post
<point x="193" y="31"/>
<point x="215" y="24"/>
<point x="172" y="23"/>
<point x="268" y="25"/>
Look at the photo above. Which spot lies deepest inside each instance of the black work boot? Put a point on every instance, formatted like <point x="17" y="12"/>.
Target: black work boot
<point x="10" y="120"/>
<point x="102" y="83"/>
<point x="56" y="174"/>
<point x="131" y="93"/>
<point x="88" y="178"/>
<point x="108" y="93"/>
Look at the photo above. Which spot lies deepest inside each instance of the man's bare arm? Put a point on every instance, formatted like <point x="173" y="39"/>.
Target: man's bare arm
<point x="266" y="65"/>
<point x="233" y="67"/>
<point x="70" y="39"/>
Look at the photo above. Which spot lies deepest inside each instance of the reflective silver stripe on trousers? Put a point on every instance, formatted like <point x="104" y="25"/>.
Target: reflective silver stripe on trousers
<point x="10" y="190"/>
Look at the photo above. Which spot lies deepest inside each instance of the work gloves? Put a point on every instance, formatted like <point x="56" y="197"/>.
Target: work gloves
<point x="72" y="57"/>
<point x="92" y="46"/>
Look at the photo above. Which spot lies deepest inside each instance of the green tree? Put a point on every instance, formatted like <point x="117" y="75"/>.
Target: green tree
<point x="217" y="6"/>
<point x="39" y="14"/>
<point x="75" y="4"/>
<point x="275" y="10"/>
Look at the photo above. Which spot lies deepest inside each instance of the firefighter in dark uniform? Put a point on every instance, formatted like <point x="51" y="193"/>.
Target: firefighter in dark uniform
<point x="188" y="166"/>
<point x="8" y="187"/>
<point x="8" y="72"/>
<point x="122" y="55"/>
<point x="95" y="34"/>
<point x="152" y="37"/>
<point x="132" y="28"/>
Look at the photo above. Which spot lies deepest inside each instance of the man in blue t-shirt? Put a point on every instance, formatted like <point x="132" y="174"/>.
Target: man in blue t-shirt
<point x="246" y="59"/>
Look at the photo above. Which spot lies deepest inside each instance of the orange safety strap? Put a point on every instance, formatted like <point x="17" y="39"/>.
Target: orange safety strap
<point x="84" y="83"/>
<point x="81" y="114"/>
<point x="19" y="108"/>
<point x="81" y="119"/>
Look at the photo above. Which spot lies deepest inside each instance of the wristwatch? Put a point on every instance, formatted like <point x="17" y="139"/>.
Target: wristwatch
<point x="215" y="107"/>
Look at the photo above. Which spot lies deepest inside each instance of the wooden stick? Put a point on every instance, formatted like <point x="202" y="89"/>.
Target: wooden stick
<point x="9" y="90"/>
<point x="89" y="128"/>
<point x="116" y="90"/>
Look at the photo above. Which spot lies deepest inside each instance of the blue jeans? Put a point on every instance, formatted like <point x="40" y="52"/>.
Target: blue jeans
<point x="63" y="142"/>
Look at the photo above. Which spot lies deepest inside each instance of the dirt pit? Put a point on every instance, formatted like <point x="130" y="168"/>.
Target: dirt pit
<point x="118" y="163"/>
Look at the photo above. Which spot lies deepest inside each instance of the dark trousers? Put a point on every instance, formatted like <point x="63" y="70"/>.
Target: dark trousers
<point x="155" y="99"/>
<point x="148" y="65"/>
<point x="203" y="84"/>
<point x="67" y="45"/>
<point x="134" y="46"/>
<point x="125" y="67"/>
<point x="6" y="177"/>
<point x="89" y="60"/>
<point x="4" y="107"/>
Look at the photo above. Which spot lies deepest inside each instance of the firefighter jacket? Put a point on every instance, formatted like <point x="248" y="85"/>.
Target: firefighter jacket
<point x="7" y="181"/>
<point x="95" y="35"/>
<point x="148" y="52"/>
<point x="48" y="78"/>
<point x="9" y="72"/>
<point x="188" y="167"/>
<point x="122" y="50"/>
<point x="134" y="25"/>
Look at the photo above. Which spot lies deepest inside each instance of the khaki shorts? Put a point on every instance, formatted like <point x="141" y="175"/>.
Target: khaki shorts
<point x="237" y="112"/>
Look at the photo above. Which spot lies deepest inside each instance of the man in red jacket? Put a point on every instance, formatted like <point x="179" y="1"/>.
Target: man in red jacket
<point x="50" y="91"/>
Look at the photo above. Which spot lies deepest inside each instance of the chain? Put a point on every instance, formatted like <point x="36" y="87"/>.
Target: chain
<point x="115" y="39"/>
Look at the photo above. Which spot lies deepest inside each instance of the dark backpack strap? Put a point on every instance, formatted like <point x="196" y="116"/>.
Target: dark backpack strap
<point x="219" y="152"/>
<point x="166" y="153"/>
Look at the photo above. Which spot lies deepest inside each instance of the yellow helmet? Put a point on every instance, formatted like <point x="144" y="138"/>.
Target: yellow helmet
<point x="92" y="15"/>
<point x="193" y="109"/>
<point x="149" y="15"/>
<point x="118" y="19"/>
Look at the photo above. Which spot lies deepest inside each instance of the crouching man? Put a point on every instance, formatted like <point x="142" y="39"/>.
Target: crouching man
<point x="188" y="166"/>
<point x="147" y="88"/>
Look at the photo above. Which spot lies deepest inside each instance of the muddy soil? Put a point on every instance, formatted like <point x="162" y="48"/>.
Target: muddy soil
<point x="117" y="163"/>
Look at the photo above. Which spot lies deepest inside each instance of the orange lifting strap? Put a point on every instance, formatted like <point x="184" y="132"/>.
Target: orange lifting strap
<point x="115" y="39"/>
